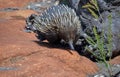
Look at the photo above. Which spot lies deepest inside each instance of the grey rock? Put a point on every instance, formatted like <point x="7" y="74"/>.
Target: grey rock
<point x="41" y="5"/>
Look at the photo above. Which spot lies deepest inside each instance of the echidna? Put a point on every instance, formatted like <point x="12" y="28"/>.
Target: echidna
<point x="55" y="24"/>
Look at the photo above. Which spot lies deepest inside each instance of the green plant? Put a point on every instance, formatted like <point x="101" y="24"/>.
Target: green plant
<point x="99" y="40"/>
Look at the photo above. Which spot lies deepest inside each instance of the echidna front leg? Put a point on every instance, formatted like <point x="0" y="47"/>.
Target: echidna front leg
<point x="40" y="36"/>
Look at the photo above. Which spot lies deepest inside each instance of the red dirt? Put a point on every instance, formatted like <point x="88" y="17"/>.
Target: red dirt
<point x="14" y="3"/>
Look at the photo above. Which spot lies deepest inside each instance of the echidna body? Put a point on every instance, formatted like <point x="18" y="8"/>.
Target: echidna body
<point x="58" y="23"/>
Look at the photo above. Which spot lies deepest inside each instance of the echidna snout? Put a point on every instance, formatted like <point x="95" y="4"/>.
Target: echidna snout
<point x="71" y="45"/>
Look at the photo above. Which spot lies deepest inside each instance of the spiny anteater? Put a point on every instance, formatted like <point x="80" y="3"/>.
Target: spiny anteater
<point x="55" y="24"/>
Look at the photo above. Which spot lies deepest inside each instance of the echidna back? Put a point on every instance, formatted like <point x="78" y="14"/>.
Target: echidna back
<point x="59" y="22"/>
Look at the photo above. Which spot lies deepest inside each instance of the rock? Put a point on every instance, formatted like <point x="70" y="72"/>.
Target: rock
<point x="11" y="27"/>
<point x="23" y="56"/>
<point x="42" y="5"/>
<point x="114" y="68"/>
<point x="74" y="4"/>
<point x="109" y="18"/>
<point x="115" y="2"/>
<point x="49" y="63"/>
<point x="115" y="60"/>
<point x="19" y="14"/>
<point x="14" y="3"/>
